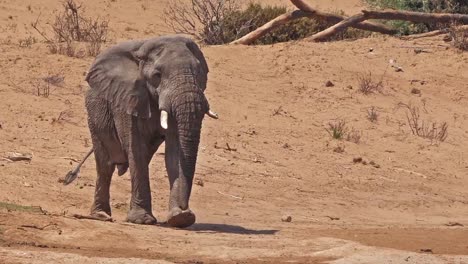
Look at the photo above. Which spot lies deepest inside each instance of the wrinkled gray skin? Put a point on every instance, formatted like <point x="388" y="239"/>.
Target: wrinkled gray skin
<point x="131" y="83"/>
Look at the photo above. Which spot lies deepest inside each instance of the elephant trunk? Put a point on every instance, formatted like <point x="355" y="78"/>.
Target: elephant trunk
<point x="188" y="107"/>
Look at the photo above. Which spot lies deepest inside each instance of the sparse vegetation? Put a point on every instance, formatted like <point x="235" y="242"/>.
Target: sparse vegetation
<point x="354" y="136"/>
<point x="27" y="42"/>
<point x="42" y="88"/>
<point x="72" y="25"/>
<point x="421" y="128"/>
<point x="20" y="208"/>
<point x="372" y="114"/>
<point x="218" y="22"/>
<point x="459" y="37"/>
<point x="337" y="129"/>
<point x="367" y="85"/>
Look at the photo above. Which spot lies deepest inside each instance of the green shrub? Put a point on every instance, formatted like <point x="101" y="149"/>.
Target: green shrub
<point x="428" y="6"/>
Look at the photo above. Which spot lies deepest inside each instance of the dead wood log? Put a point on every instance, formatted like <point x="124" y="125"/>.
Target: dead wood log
<point x="263" y="30"/>
<point x="296" y="14"/>
<point x="434" y="33"/>
<point x="426" y="34"/>
<point x="417" y="17"/>
<point x="324" y="34"/>
<point x="335" y="18"/>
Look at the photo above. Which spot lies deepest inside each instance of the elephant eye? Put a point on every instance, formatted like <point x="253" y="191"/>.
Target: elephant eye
<point x="157" y="74"/>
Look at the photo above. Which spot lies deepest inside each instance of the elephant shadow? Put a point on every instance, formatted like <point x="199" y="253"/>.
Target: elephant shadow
<point x="229" y="229"/>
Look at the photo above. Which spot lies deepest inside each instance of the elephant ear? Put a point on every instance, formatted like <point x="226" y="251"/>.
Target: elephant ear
<point x="115" y="76"/>
<point x="193" y="47"/>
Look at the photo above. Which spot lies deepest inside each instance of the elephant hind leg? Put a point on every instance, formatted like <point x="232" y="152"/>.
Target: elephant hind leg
<point x="101" y="209"/>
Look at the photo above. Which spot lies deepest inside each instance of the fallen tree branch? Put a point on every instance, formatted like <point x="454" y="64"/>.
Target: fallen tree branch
<point x="335" y="18"/>
<point x="434" y="33"/>
<point x="426" y="34"/>
<point x="296" y="14"/>
<point x="306" y="10"/>
<point x="271" y="25"/>
<point x="417" y="17"/>
<point x="324" y="34"/>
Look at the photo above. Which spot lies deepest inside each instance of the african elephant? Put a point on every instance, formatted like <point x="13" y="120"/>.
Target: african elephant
<point x="142" y="94"/>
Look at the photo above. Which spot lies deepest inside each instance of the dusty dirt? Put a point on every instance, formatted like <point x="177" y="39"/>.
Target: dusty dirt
<point x="411" y="207"/>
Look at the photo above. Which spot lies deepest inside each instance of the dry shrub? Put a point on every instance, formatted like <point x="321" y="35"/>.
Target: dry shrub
<point x="202" y="19"/>
<point x="72" y="25"/>
<point x="354" y="136"/>
<point x="372" y="114"/>
<point x="67" y="48"/>
<point x="368" y="85"/>
<point x="425" y="129"/>
<point x="459" y="36"/>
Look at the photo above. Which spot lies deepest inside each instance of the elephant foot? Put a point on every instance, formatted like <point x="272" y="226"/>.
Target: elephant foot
<point x="97" y="215"/>
<point x="141" y="217"/>
<point x="102" y="216"/>
<point x="181" y="218"/>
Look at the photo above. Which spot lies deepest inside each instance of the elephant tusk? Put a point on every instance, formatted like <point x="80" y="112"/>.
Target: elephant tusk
<point x="212" y="114"/>
<point x="164" y="119"/>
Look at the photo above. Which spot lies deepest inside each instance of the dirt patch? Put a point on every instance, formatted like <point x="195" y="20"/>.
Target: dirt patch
<point x="268" y="156"/>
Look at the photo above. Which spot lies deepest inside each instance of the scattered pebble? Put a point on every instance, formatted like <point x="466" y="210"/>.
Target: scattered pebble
<point x="357" y="160"/>
<point x="286" y="218"/>
<point x="415" y="91"/>
<point x="200" y="182"/>
<point x="329" y="84"/>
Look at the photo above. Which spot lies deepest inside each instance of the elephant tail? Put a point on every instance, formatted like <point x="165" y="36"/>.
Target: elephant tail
<point x="73" y="174"/>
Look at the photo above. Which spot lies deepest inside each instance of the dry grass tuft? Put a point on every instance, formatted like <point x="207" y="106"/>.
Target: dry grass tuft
<point x="372" y="114"/>
<point x="425" y="129"/>
<point x="338" y="129"/>
<point x="367" y="85"/>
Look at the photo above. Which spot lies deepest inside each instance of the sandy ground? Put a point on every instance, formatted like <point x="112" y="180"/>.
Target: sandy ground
<point x="409" y="207"/>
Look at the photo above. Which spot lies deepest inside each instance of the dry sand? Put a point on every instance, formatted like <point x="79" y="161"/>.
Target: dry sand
<point x="274" y="109"/>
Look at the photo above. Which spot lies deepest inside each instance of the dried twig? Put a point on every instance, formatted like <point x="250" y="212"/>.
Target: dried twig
<point x="229" y="195"/>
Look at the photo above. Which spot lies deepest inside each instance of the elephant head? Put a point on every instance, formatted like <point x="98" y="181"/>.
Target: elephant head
<point x="165" y="76"/>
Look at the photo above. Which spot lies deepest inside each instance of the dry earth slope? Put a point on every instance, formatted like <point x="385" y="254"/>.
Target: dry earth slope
<point x="275" y="109"/>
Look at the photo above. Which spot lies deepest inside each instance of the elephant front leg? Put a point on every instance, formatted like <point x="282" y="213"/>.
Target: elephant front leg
<point x="140" y="205"/>
<point x="179" y="213"/>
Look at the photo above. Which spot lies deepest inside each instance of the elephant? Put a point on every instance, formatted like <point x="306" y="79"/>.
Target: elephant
<point x="143" y="93"/>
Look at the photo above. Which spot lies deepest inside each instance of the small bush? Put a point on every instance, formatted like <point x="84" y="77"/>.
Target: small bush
<point x="354" y="136"/>
<point x="459" y="37"/>
<point x="337" y="129"/>
<point x="367" y="85"/>
<point x="430" y="130"/>
<point x="428" y="6"/>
